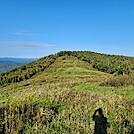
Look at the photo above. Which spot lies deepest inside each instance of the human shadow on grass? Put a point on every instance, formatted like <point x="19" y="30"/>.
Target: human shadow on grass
<point x="101" y="123"/>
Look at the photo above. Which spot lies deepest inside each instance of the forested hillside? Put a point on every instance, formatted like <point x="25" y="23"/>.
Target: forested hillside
<point x="112" y="64"/>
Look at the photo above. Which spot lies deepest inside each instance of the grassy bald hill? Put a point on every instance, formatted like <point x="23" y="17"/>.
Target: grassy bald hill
<point x="59" y="94"/>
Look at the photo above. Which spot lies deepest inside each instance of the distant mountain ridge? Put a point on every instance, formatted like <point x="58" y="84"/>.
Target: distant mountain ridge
<point x="16" y="59"/>
<point x="8" y="63"/>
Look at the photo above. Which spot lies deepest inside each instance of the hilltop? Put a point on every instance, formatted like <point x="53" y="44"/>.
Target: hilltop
<point x="59" y="94"/>
<point x="112" y="64"/>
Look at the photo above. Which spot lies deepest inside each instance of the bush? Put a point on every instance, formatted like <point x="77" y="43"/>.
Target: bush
<point x="121" y="80"/>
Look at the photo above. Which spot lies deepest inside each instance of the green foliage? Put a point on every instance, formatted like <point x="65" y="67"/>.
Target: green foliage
<point x="117" y="81"/>
<point x="26" y="71"/>
<point x="124" y="68"/>
<point x="103" y="62"/>
<point x="62" y="99"/>
<point x="111" y="64"/>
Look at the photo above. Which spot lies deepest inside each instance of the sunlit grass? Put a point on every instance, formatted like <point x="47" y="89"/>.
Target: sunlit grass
<point x="62" y="100"/>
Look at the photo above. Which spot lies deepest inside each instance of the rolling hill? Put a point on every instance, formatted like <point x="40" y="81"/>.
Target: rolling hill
<point x="59" y="94"/>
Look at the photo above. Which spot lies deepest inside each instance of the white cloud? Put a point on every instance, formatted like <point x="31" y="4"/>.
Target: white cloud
<point x="28" y="44"/>
<point x="24" y="34"/>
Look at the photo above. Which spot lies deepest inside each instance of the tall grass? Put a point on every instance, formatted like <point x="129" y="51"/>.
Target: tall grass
<point x="21" y="116"/>
<point x="121" y="80"/>
<point x="66" y="111"/>
<point x="62" y="100"/>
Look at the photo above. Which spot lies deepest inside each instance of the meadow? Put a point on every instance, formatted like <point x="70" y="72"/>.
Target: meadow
<point x="62" y="98"/>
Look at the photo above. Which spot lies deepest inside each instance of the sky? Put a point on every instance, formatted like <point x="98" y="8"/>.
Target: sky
<point x="36" y="28"/>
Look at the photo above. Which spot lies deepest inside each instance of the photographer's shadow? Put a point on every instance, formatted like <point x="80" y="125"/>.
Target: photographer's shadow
<point x="101" y="123"/>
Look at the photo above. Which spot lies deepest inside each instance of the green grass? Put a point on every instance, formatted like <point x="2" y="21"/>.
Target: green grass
<point x="62" y="99"/>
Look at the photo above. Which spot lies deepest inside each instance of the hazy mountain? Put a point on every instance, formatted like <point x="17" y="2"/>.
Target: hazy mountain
<point x="7" y="64"/>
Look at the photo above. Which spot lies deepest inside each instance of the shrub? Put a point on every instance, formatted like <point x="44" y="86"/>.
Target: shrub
<point x="120" y="80"/>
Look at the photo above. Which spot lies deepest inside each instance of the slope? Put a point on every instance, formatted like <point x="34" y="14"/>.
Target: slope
<point x="62" y="97"/>
<point x="112" y="64"/>
<point x="26" y="71"/>
<point x="104" y="62"/>
<point x="66" y="71"/>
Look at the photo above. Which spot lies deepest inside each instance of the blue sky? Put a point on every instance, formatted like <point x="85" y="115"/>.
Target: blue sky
<point x="36" y="28"/>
